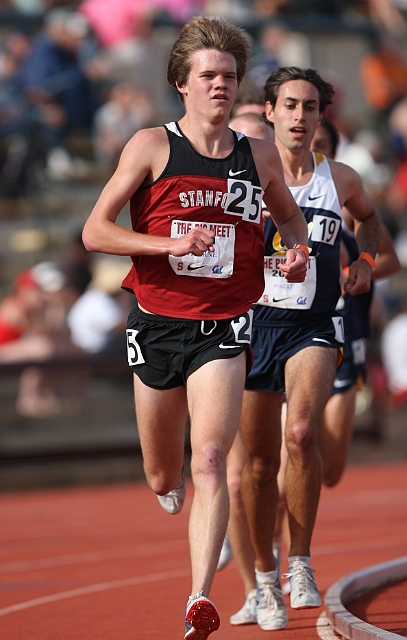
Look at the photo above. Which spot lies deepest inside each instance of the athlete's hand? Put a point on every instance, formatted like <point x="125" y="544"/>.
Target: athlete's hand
<point x="295" y="266"/>
<point x="196" y="241"/>
<point x="359" y="278"/>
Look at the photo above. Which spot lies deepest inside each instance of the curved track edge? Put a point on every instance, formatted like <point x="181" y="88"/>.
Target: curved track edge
<point x="356" y="584"/>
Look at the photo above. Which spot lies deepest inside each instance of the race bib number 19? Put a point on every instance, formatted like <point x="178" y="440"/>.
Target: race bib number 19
<point x="325" y="229"/>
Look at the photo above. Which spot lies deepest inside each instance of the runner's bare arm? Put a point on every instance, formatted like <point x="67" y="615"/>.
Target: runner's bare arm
<point x="143" y="159"/>
<point x="386" y="260"/>
<point x="282" y="207"/>
<point x="354" y="198"/>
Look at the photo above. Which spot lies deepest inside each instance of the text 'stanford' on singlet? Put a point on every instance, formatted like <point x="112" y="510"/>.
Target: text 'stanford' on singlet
<point x="223" y="195"/>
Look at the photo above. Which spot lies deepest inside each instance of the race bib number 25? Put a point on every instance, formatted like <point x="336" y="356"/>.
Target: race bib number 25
<point x="244" y="199"/>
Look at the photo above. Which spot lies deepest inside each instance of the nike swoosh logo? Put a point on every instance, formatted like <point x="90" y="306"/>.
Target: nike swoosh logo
<point x="280" y="299"/>
<point x="316" y="197"/>
<point x="342" y="383"/>
<point x="320" y="340"/>
<point x="235" y="173"/>
<point x="232" y="346"/>
<point x="190" y="267"/>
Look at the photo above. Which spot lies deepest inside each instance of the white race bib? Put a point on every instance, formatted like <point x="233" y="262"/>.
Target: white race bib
<point x="218" y="264"/>
<point x="287" y="295"/>
<point x="339" y="328"/>
<point x="325" y="229"/>
<point x="245" y="200"/>
<point x="359" y="351"/>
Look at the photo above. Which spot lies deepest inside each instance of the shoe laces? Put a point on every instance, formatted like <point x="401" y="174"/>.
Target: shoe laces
<point x="302" y="574"/>
<point x="192" y="598"/>
<point x="270" y="594"/>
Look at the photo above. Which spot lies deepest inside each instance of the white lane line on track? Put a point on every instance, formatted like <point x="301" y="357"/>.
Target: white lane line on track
<point x="96" y="588"/>
<point x="152" y="549"/>
<point x="324" y="628"/>
<point x="92" y="556"/>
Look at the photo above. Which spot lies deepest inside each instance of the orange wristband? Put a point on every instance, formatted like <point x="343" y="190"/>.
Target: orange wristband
<point x="304" y="249"/>
<point x="366" y="256"/>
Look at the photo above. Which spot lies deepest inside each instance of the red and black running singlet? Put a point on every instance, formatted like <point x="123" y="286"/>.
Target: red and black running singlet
<point x="223" y="195"/>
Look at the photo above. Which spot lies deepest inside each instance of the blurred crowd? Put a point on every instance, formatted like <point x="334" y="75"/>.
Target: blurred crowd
<point x="71" y="308"/>
<point x="86" y="70"/>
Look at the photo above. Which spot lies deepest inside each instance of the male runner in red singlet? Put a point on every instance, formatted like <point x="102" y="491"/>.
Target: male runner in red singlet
<point x="196" y="190"/>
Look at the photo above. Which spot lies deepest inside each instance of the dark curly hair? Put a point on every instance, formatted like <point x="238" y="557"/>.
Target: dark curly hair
<point x="273" y="83"/>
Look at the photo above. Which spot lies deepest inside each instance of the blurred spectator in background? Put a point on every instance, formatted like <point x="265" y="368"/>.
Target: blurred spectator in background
<point x="299" y="7"/>
<point x="363" y="153"/>
<point x="268" y="7"/>
<point x="248" y="100"/>
<point x="97" y="320"/>
<point x="33" y="329"/>
<point x="17" y="44"/>
<point x="275" y="46"/>
<point x="124" y="30"/>
<point x="57" y="82"/>
<point x="386" y="15"/>
<point x="394" y="353"/>
<point x="19" y="308"/>
<point x="17" y="128"/>
<point x="75" y="262"/>
<point x="396" y="196"/>
<point x="28" y="7"/>
<point x="397" y="124"/>
<point x="33" y="316"/>
<point x="383" y="74"/>
<point x="115" y="122"/>
<point x="267" y="56"/>
<point x="182" y="10"/>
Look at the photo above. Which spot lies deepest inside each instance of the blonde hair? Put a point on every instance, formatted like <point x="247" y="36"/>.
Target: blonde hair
<point x="207" y="33"/>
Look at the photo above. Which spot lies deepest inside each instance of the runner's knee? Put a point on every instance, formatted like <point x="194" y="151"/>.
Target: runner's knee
<point x="264" y="469"/>
<point x="235" y="493"/>
<point x="161" y="482"/>
<point x="301" y="438"/>
<point x="208" y="461"/>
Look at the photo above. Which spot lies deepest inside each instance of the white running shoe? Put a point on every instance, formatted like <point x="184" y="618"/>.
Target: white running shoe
<point x="225" y="554"/>
<point x="173" y="501"/>
<point x="247" y="614"/>
<point x="271" y="611"/>
<point x="303" y="589"/>
<point x="201" y="618"/>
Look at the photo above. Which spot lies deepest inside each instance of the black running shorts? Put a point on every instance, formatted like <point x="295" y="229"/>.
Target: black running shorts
<point x="164" y="351"/>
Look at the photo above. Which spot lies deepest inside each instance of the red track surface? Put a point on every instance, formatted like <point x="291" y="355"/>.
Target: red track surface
<point x="385" y="608"/>
<point x="107" y="563"/>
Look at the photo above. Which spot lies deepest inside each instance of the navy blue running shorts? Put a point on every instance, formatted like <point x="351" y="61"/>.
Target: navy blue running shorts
<point x="164" y="351"/>
<point x="274" y="344"/>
